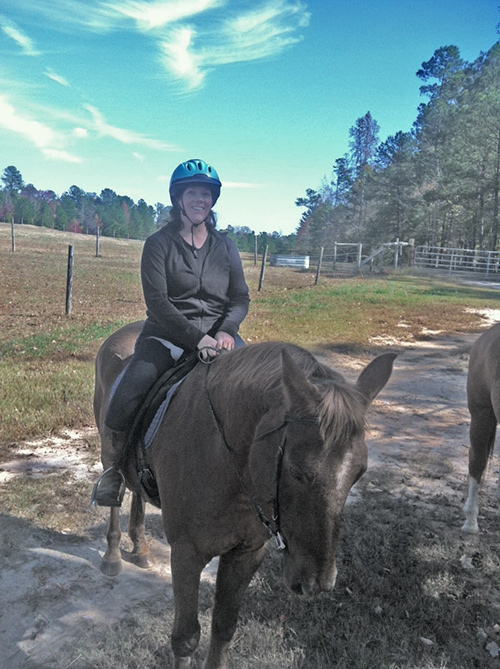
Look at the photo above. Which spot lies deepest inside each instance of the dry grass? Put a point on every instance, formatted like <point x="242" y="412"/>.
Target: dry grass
<point x="54" y="501"/>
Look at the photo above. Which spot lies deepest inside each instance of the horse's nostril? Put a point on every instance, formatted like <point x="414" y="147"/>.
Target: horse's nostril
<point x="305" y="588"/>
<point x="296" y="588"/>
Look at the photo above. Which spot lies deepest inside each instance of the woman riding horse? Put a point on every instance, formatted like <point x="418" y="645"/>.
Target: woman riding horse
<point x="196" y="298"/>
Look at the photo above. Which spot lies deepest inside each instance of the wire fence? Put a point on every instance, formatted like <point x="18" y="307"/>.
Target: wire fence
<point x="353" y="259"/>
<point x="349" y="258"/>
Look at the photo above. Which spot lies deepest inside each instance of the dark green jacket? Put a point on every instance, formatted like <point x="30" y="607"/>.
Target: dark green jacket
<point x="183" y="301"/>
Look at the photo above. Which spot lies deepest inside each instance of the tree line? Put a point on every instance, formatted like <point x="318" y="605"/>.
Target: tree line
<point x="76" y="210"/>
<point x="438" y="184"/>
<point x="112" y="214"/>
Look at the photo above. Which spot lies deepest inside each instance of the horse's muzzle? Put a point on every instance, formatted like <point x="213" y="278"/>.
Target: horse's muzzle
<point x="310" y="586"/>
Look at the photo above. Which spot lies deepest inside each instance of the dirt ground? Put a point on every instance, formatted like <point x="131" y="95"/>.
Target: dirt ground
<point x="50" y="584"/>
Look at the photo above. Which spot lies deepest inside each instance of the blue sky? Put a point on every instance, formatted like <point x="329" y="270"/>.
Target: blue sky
<point x="115" y="93"/>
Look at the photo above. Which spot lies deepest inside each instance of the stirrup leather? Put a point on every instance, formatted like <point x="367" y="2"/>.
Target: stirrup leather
<point x="121" y="492"/>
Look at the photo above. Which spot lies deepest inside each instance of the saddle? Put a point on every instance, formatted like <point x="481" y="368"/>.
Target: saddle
<point x="145" y="418"/>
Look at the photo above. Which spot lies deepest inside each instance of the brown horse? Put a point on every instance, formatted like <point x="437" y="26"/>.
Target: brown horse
<point x="483" y="398"/>
<point x="265" y="441"/>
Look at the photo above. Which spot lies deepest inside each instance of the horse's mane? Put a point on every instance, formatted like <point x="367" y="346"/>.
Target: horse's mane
<point x="257" y="369"/>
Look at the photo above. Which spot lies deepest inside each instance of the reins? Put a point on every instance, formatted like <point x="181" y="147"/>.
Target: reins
<point x="272" y="526"/>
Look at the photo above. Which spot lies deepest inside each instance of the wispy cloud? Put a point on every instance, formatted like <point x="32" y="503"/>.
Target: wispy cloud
<point x="189" y="54"/>
<point x="122" y="135"/>
<point x="263" y="32"/>
<point x="180" y="60"/>
<point x="69" y="15"/>
<point x="47" y="140"/>
<point x="56" y="77"/>
<point x="114" y="15"/>
<point x="193" y="37"/>
<point x="154" y="15"/>
<point x="20" y="38"/>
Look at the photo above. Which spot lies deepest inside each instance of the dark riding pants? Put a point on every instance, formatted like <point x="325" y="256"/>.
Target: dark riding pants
<point x="150" y="361"/>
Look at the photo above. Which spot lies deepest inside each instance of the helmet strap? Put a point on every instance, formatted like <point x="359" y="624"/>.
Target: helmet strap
<point x="193" y="226"/>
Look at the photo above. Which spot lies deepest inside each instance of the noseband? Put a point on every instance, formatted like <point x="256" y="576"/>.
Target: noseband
<point x="273" y="526"/>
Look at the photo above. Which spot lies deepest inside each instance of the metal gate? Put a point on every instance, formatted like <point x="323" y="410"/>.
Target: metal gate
<point x="452" y="260"/>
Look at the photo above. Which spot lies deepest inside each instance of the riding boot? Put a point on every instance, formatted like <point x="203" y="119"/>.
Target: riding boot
<point x="110" y="486"/>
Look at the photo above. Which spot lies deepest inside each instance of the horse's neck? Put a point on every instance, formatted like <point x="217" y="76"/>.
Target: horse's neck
<point x="239" y="416"/>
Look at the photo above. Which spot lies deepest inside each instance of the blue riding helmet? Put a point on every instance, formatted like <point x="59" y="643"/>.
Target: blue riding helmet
<point x="197" y="172"/>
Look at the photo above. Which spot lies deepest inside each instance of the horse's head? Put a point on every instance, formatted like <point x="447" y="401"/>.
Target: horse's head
<point x="323" y="455"/>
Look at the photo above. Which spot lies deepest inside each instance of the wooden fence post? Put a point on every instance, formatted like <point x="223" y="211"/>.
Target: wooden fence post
<point x="360" y="251"/>
<point x="334" y="256"/>
<point x="97" y="239"/>
<point x="318" y="269"/>
<point x="411" y="252"/>
<point x="12" y="234"/>
<point x="396" y="253"/>
<point x="263" y="268"/>
<point x="69" y="281"/>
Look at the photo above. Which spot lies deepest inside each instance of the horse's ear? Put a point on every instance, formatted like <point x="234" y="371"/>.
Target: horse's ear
<point x="375" y="375"/>
<point x="301" y="396"/>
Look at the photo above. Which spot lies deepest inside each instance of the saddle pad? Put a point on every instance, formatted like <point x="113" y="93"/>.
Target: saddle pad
<point x="158" y="417"/>
<point x="117" y="381"/>
<point x="151" y="423"/>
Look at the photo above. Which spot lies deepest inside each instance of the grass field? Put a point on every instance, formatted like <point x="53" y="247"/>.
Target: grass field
<point x="403" y="599"/>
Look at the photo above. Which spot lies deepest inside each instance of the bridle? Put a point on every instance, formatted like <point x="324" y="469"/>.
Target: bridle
<point x="273" y="526"/>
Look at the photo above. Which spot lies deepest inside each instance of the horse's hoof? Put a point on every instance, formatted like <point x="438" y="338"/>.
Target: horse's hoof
<point x="109" y="568"/>
<point x="470" y="527"/>
<point x="143" y="560"/>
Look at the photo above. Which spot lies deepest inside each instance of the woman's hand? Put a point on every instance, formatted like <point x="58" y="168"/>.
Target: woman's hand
<point x="208" y="347"/>
<point x="224" y="340"/>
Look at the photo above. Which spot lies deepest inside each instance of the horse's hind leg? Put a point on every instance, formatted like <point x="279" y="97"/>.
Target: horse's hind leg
<point x="111" y="563"/>
<point x="141" y="554"/>
<point x="482" y="437"/>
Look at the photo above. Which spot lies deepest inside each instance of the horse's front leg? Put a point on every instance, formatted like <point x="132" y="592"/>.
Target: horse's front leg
<point x="111" y="563"/>
<point x="141" y="553"/>
<point x="235" y="572"/>
<point x="186" y="565"/>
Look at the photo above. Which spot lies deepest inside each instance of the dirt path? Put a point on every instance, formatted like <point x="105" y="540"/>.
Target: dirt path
<point x="50" y="584"/>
